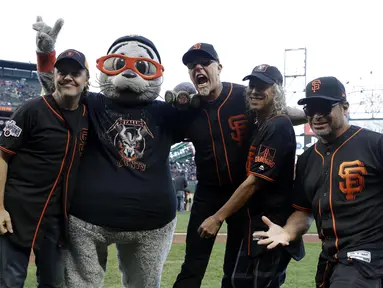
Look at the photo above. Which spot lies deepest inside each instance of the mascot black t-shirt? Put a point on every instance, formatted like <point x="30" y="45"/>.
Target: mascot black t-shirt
<point x="125" y="180"/>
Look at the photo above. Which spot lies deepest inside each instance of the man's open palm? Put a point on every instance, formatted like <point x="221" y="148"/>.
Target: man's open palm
<point x="274" y="236"/>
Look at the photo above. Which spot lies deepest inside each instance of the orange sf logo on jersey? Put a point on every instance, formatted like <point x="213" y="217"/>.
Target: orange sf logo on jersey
<point x="83" y="137"/>
<point x="238" y="124"/>
<point x="353" y="175"/>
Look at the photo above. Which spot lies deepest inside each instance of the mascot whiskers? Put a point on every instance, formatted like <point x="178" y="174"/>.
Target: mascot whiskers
<point x="124" y="193"/>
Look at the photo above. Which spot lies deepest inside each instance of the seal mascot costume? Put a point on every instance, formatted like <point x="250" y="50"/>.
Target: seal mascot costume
<point x="124" y="193"/>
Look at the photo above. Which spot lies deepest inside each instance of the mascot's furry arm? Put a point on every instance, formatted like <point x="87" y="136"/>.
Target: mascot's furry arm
<point x="297" y="116"/>
<point x="46" y="54"/>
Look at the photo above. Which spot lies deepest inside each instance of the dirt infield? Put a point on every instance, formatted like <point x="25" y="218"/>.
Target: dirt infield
<point x="221" y="238"/>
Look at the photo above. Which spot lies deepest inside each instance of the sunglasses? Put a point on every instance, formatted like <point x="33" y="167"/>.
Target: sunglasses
<point x="202" y="62"/>
<point x="323" y="108"/>
<point x="114" y="64"/>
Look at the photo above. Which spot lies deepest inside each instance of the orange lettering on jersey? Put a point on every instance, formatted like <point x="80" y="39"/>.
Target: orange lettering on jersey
<point x="353" y="175"/>
<point x="315" y="85"/>
<point x="250" y="158"/>
<point x="83" y="136"/>
<point x="238" y="124"/>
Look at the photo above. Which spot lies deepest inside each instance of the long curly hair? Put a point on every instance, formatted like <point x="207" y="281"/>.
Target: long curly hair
<point x="279" y="101"/>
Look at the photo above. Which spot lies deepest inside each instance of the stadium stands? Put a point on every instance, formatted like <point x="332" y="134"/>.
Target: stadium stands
<point x="18" y="83"/>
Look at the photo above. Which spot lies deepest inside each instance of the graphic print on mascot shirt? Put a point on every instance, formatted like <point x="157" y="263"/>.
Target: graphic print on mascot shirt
<point x="129" y="136"/>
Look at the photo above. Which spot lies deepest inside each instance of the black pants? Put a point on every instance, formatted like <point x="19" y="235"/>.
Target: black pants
<point x="348" y="276"/>
<point x="264" y="269"/>
<point x="205" y="203"/>
<point x="14" y="261"/>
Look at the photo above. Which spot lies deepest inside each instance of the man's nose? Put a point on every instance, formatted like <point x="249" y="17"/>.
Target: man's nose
<point x="198" y="66"/>
<point x="68" y="77"/>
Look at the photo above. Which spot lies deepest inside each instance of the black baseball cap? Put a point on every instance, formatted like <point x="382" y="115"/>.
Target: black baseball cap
<point x="200" y="50"/>
<point x="137" y="38"/>
<point x="74" y="55"/>
<point x="327" y="88"/>
<point x="266" y="73"/>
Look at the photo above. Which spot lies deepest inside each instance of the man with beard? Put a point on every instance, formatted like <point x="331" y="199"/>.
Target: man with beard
<point x="39" y="158"/>
<point x="339" y="182"/>
<point x="269" y="184"/>
<point x="218" y="131"/>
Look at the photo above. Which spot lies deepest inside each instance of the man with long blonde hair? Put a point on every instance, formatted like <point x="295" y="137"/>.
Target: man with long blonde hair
<point x="269" y="182"/>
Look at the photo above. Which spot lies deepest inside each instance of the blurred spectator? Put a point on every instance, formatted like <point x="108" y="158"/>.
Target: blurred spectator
<point x="180" y="186"/>
<point x="15" y="91"/>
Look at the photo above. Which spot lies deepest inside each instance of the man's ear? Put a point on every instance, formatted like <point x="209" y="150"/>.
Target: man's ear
<point x="345" y="107"/>
<point x="219" y="68"/>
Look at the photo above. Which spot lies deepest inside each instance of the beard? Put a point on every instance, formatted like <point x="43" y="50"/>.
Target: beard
<point x="204" y="91"/>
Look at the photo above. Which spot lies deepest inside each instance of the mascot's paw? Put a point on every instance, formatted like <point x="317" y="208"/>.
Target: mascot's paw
<point x="46" y="35"/>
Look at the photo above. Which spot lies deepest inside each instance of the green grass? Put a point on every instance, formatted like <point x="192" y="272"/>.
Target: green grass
<point x="183" y="219"/>
<point x="299" y="274"/>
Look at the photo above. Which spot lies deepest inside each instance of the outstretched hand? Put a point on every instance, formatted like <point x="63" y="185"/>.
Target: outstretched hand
<point x="46" y="35"/>
<point x="274" y="236"/>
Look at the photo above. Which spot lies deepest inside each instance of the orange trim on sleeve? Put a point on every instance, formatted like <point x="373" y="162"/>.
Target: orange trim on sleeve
<point x="262" y="176"/>
<point x="7" y="151"/>
<point x="300" y="208"/>
<point x="46" y="62"/>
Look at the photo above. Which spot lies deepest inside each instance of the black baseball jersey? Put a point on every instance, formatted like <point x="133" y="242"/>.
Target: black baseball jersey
<point x="342" y="185"/>
<point x="124" y="181"/>
<point x="218" y="131"/>
<point x="45" y="158"/>
<point x="271" y="157"/>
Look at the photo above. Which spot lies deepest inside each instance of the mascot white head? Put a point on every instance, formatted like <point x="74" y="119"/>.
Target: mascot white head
<point x="131" y="71"/>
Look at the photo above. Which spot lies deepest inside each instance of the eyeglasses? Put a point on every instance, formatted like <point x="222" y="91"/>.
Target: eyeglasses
<point x="114" y="64"/>
<point x="323" y="108"/>
<point x="202" y="62"/>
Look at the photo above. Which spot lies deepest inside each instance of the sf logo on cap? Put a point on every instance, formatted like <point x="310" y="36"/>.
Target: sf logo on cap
<point x="261" y="68"/>
<point x="70" y="54"/>
<point x="197" y="46"/>
<point x="315" y="85"/>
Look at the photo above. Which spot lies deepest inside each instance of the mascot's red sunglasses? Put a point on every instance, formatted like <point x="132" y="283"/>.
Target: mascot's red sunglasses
<point x="114" y="64"/>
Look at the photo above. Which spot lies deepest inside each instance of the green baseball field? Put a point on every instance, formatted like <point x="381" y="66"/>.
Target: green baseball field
<point x="299" y="274"/>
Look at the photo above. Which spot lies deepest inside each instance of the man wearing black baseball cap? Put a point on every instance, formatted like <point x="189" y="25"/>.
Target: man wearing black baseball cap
<point x="266" y="73"/>
<point x="219" y="131"/>
<point x="40" y="153"/>
<point x="322" y="96"/>
<point x="339" y="183"/>
<point x="71" y="77"/>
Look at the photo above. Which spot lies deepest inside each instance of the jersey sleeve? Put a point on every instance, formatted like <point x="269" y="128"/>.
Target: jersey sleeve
<point x="14" y="131"/>
<point x="177" y="122"/>
<point x="300" y="199"/>
<point x="269" y="149"/>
